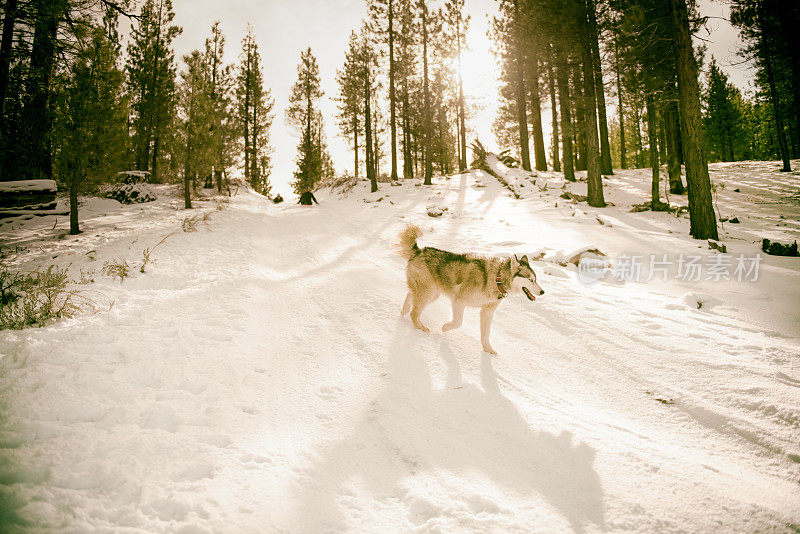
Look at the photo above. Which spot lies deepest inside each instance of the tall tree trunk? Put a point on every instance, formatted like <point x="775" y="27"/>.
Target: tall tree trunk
<point x="600" y="94"/>
<point x="355" y="145"/>
<point x="702" y="221"/>
<point x="370" y="154"/>
<point x="594" y="179"/>
<point x="5" y="52"/>
<point x="154" y="166"/>
<point x="522" y="115"/>
<point x="581" y="147"/>
<point x="392" y="100"/>
<point x="766" y="57"/>
<point x="187" y="166"/>
<point x="254" y="174"/>
<point x="673" y="157"/>
<point x="639" y="145"/>
<point x="247" y="88"/>
<point x="74" y="226"/>
<point x="462" y="129"/>
<point x="150" y="134"/>
<point x="36" y="117"/>
<point x="540" y="159"/>
<point x="408" y="158"/>
<point x="554" y="113"/>
<point x="652" y="139"/>
<point x="776" y="110"/>
<point x="566" y="121"/>
<point x="428" y="134"/>
<point x="621" y="111"/>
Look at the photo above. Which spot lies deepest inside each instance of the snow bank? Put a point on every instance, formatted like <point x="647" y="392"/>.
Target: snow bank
<point x="28" y="186"/>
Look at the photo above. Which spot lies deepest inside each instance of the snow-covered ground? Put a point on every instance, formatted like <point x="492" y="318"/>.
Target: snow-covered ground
<point x="258" y="377"/>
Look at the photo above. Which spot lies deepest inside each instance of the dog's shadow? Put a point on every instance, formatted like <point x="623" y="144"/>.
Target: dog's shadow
<point x="464" y="430"/>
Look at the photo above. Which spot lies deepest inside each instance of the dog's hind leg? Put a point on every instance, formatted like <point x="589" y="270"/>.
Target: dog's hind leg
<point x="487" y="312"/>
<point x="458" y="316"/>
<point x="421" y="300"/>
<point x="407" y="304"/>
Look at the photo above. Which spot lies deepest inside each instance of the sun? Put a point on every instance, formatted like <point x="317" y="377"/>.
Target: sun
<point x="480" y="72"/>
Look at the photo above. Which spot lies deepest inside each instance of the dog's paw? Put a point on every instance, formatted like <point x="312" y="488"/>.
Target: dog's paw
<point x="446" y="327"/>
<point x="490" y="350"/>
<point x="422" y="327"/>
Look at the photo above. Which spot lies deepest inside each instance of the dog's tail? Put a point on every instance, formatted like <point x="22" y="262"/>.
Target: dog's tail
<point x="407" y="245"/>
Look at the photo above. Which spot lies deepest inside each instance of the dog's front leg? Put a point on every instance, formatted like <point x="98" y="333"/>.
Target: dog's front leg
<point x="458" y="316"/>
<point x="487" y="312"/>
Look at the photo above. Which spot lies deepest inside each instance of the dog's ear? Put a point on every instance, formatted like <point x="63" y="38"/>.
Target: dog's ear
<point x="524" y="260"/>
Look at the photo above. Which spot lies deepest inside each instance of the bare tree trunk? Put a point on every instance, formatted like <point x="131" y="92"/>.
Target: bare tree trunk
<point x="428" y="134"/>
<point x="605" y="148"/>
<point x="580" y="146"/>
<point x="37" y="157"/>
<point x="673" y="158"/>
<point x="652" y="137"/>
<point x="540" y="159"/>
<point x="594" y="179"/>
<point x="370" y="156"/>
<point x="74" y="226"/>
<point x="702" y="221"/>
<point x="554" y="112"/>
<point x="355" y="145"/>
<point x="462" y="130"/>
<point x="522" y="115"/>
<point x="5" y="52"/>
<point x="776" y="109"/>
<point x="639" y="145"/>
<point x="392" y="100"/>
<point x="566" y="121"/>
<point x="621" y="111"/>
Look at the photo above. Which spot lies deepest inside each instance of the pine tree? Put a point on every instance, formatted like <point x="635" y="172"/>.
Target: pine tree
<point x="223" y="121"/>
<point x="254" y="116"/>
<point x="91" y="117"/>
<point x="349" y="100"/>
<point x="702" y="221"/>
<point x="151" y="81"/>
<point x="196" y="116"/>
<point x="303" y="116"/>
<point x="722" y="119"/>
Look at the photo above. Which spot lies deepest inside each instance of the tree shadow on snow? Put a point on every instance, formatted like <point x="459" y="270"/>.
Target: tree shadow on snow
<point x="411" y="429"/>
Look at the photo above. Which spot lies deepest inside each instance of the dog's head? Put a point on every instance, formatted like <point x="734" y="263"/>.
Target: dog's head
<point x="523" y="278"/>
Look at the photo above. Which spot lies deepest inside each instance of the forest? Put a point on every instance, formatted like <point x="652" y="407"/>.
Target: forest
<point x="619" y="80"/>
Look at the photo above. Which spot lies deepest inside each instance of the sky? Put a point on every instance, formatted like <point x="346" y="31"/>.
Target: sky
<point x="283" y="28"/>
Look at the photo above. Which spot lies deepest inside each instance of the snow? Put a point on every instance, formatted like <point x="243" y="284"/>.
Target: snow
<point x="259" y="376"/>
<point x="21" y="186"/>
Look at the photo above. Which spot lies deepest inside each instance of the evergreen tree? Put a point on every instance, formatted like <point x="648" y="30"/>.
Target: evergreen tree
<point x="195" y="118"/>
<point x="722" y="120"/>
<point x="350" y="98"/>
<point x="303" y="116"/>
<point x="151" y="81"/>
<point x="254" y="112"/>
<point x="91" y="116"/>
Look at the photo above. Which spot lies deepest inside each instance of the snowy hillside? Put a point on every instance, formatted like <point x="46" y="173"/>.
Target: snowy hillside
<point x="258" y="376"/>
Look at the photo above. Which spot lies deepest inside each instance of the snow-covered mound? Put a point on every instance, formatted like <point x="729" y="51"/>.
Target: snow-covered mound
<point x="258" y="376"/>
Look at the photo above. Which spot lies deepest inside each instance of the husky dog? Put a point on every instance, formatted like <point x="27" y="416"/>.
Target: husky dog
<point x="467" y="279"/>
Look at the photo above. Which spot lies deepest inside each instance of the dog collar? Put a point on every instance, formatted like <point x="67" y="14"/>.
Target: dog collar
<point x="502" y="291"/>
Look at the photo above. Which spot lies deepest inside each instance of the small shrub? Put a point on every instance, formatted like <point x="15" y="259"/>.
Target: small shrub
<point x="189" y="224"/>
<point x="118" y="268"/>
<point x="146" y="253"/>
<point x="33" y="299"/>
<point x="131" y="193"/>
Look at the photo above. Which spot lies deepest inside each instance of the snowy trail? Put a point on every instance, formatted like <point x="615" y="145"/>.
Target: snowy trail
<point x="260" y="378"/>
